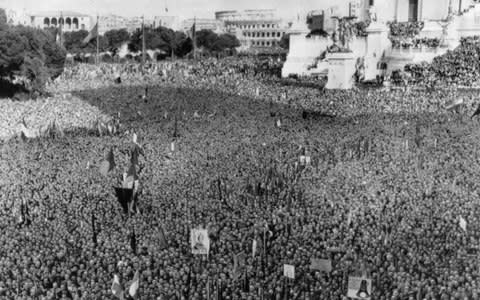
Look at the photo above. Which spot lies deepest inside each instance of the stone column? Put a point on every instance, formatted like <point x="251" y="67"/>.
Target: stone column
<point x="377" y="43"/>
<point x="341" y="68"/>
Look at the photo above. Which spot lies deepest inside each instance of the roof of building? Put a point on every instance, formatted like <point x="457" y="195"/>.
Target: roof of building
<point x="270" y="10"/>
<point x="65" y="13"/>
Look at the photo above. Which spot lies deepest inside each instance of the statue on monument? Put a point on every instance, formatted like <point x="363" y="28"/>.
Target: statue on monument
<point x="446" y="25"/>
<point x="343" y="34"/>
<point x="372" y="14"/>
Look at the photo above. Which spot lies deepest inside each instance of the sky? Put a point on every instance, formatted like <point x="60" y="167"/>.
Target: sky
<point x="181" y="8"/>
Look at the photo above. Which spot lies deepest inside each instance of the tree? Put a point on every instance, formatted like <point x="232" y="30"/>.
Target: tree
<point x="183" y="44"/>
<point x="225" y="42"/>
<point x="30" y="54"/>
<point x="213" y="42"/>
<point x="73" y="42"/>
<point x="206" y="38"/>
<point x="116" y="38"/>
<point x="161" y="38"/>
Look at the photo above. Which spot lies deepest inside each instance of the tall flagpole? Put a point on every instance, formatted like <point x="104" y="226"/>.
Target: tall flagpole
<point x="98" y="36"/>
<point x="194" y="37"/>
<point x="143" y="39"/>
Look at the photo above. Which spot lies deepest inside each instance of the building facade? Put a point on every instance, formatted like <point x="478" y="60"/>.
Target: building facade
<point x="398" y="10"/>
<point x="172" y="22"/>
<point x="111" y="22"/>
<point x="19" y="17"/>
<point x="214" y="25"/>
<point x="71" y="21"/>
<point x="254" y="28"/>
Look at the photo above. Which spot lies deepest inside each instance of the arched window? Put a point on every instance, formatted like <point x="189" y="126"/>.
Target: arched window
<point x="46" y="22"/>
<point x="75" y="23"/>
<point x="68" y="21"/>
<point x="53" y="22"/>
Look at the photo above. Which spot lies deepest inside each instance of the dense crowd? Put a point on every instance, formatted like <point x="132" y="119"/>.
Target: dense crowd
<point x="389" y="178"/>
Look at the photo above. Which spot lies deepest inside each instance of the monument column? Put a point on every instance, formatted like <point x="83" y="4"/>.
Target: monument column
<point x="377" y="42"/>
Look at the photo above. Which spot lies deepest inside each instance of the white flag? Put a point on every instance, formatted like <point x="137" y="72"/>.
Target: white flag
<point x="132" y="290"/>
<point x="172" y="146"/>
<point x="349" y="218"/>
<point x="116" y="287"/>
<point x="463" y="224"/>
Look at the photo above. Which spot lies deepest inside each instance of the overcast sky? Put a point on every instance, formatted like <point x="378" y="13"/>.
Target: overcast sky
<point x="182" y="8"/>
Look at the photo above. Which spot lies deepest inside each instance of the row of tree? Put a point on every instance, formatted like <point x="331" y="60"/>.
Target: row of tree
<point x="161" y="38"/>
<point x="28" y="55"/>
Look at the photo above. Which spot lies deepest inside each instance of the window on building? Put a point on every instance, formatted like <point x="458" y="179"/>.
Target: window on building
<point x="263" y="25"/>
<point x="268" y="34"/>
<point x="278" y="34"/>
<point x="370" y="2"/>
<point x="268" y="25"/>
<point x="263" y="43"/>
<point x="268" y="43"/>
<point x="263" y="34"/>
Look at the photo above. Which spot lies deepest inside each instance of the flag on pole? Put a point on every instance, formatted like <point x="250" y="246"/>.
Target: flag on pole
<point x="349" y="218"/>
<point x="131" y="177"/>
<point x="143" y="39"/>
<point x="463" y="224"/>
<point x="91" y="35"/>
<point x="60" y="30"/>
<point x="124" y="197"/>
<point x="163" y="239"/>
<point x="116" y="287"/>
<point x="238" y="265"/>
<point x="134" y="285"/>
<point x="133" y="242"/>
<point x="108" y="164"/>
<point x="193" y="32"/>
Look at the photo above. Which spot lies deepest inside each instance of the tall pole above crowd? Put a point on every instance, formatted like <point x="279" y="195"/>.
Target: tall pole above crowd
<point x="194" y="37"/>
<point x="98" y="39"/>
<point x="143" y="40"/>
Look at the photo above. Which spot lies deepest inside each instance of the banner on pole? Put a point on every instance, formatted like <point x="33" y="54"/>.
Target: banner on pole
<point x="200" y="241"/>
<point x="359" y="288"/>
<point x="322" y="265"/>
<point x="289" y="271"/>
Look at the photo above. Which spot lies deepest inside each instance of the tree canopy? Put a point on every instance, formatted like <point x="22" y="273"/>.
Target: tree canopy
<point x="213" y="42"/>
<point x="30" y="54"/>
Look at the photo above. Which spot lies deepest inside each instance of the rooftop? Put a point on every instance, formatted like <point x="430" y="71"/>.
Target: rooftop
<point x="58" y="13"/>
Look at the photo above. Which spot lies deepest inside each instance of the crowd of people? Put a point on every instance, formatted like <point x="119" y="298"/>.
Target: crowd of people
<point x="389" y="176"/>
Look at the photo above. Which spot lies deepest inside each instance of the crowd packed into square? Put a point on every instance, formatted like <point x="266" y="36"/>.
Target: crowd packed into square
<point x="215" y="178"/>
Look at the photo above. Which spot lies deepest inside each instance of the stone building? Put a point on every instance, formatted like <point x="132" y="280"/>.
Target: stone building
<point x="254" y="28"/>
<point x="71" y="21"/>
<point x="214" y="25"/>
<point x="172" y="22"/>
